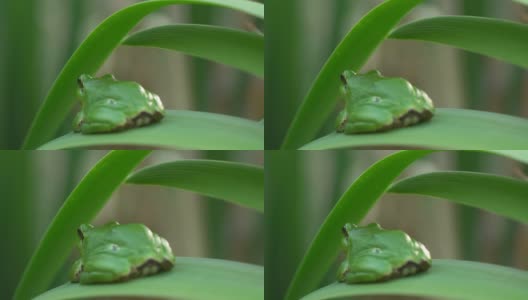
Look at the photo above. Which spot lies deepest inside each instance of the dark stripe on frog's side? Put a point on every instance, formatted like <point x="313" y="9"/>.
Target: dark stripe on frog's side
<point x="409" y="268"/>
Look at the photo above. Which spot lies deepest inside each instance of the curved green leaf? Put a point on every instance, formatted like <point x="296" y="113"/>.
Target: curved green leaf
<point x="351" y="207"/>
<point x="501" y="195"/>
<point x="453" y="279"/>
<point x="93" y="52"/>
<point x="504" y="40"/>
<point x="240" y="49"/>
<point x="179" y="129"/>
<point x="449" y="129"/>
<point x="350" y="54"/>
<point x="191" y="278"/>
<point x="81" y="206"/>
<point x="239" y="183"/>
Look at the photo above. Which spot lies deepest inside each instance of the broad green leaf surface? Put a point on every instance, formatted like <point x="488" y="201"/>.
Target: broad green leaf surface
<point x="525" y="2"/>
<point x="179" y="130"/>
<point x="191" y="279"/>
<point x="501" y="195"/>
<point x="518" y="155"/>
<point x="92" y="53"/>
<point x="449" y="129"/>
<point x="447" y="279"/>
<point x="504" y="40"/>
<point x="351" y="207"/>
<point x="350" y="54"/>
<point x="238" y="183"/>
<point x="240" y="49"/>
<point x="81" y="206"/>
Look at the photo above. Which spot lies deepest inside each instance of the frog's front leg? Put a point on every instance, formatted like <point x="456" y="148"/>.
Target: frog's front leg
<point x="368" y="119"/>
<point x="103" y="120"/>
<point x="367" y="269"/>
<point x="104" y="269"/>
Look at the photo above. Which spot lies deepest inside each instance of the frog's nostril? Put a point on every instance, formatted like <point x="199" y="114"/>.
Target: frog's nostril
<point x="80" y="83"/>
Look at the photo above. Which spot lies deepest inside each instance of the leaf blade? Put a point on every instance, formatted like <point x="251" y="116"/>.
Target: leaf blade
<point x="369" y="32"/>
<point x="238" y="183"/>
<point x="449" y="129"/>
<point x="93" y="52"/>
<point x="240" y="49"/>
<point x="351" y="207"/>
<point x="226" y="280"/>
<point x="81" y="206"/>
<point x="501" y="39"/>
<point x="474" y="189"/>
<point x="481" y="282"/>
<point x="180" y="130"/>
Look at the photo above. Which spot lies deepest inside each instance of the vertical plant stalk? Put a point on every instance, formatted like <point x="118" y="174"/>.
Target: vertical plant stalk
<point x="284" y="222"/>
<point x="17" y="184"/>
<point x="474" y="68"/>
<point x="282" y="64"/>
<point x="22" y="70"/>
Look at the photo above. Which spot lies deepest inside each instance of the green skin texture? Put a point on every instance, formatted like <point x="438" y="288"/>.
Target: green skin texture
<point x="374" y="103"/>
<point x="109" y="105"/>
<point x="375" y="254"/>
<point x="116" y="253"/>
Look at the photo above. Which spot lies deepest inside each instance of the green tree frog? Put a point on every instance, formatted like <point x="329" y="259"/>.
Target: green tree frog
<point x="115" y="253"/>
<point x="109" y="105"/>
<point x="374" y="103"/>
<point x="375" y="254"/>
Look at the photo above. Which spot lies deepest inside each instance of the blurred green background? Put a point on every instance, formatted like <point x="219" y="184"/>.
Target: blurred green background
<point x="34" y="184"/>
<point x="303" y="186"/>
<point x="303" y="33"/>
<point x="38" y="37"/>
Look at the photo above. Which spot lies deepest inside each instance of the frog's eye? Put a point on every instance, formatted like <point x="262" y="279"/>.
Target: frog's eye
<point x="376" y="251"/>
<point x="80" y="234"/>
<point x="111" y="101"/>
<point x="343" y="78"/>
<point x="376" y="99"/>
<point x="80" y="83"/>
<point x="344" y="231"/>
